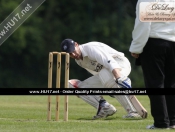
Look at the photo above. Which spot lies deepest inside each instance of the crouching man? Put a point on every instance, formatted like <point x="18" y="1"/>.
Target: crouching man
<point x="110" y="69"/>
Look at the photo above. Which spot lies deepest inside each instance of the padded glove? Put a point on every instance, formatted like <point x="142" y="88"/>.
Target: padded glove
<point x="124" y="82"/>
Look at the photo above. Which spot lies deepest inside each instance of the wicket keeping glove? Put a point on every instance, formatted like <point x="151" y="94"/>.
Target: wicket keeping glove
<point x="124" y="82"/>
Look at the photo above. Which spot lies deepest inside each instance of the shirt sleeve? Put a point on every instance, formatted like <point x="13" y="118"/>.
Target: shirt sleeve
<point x="141" y="32"/>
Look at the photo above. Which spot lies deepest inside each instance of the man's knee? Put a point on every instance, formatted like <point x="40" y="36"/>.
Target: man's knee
<point x="107" y="79"/>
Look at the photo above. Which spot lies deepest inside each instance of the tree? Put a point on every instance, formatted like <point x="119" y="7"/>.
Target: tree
<point x="24" y="55"/>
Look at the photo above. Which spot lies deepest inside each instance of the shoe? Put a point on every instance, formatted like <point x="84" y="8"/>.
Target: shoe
<point x="172" y="127"/>
<point x="105" y="111"/>
<point x="132" y="115"/>
<point x="153" y="127"/>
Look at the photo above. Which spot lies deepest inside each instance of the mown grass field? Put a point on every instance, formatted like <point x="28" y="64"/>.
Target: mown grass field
<point x="29" y="114"/>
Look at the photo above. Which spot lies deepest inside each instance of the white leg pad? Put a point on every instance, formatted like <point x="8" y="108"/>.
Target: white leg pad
<point x="91" y="99"/>
<point x="107" y="79"/>
<point x="91" y="82"/>
<point x="125" y="102"/>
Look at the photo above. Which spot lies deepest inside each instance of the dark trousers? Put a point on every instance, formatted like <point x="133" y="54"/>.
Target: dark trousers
<point x="158" y="65"/>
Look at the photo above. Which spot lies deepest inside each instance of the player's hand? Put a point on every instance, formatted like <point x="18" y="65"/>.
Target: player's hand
<point x="135" y="55"/>
<point x="124" y="82"/>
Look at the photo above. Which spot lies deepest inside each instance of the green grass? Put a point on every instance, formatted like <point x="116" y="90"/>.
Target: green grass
<point x="29" y="114"/>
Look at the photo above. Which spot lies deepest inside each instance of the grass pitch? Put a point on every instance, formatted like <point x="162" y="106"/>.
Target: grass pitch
<point x="29" y="114"/>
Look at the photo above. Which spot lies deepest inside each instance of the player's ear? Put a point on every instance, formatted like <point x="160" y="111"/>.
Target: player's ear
<point x="76" y="44"/>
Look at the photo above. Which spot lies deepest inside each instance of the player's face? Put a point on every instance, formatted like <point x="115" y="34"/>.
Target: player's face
<point x="76" y="54"/>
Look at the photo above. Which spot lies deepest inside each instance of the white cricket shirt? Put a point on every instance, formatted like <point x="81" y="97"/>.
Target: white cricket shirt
<point x="97" y="55"/>
<point x="145" y="30"/>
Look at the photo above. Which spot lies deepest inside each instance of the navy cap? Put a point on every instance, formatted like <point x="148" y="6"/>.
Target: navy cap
<point x="67" y="45"/>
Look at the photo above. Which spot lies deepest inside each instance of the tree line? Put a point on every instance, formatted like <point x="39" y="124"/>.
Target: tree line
<point x="24" y="55"/>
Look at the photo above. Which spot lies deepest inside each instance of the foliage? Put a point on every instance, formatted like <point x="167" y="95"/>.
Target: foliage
<point x="24" y="55"/>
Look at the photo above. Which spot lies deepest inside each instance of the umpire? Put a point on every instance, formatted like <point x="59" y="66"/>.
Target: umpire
<point x="153" y="45"/>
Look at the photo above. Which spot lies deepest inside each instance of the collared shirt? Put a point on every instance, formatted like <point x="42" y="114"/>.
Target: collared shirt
<point x="97" y="55"/>
<point x="145" y="30"/>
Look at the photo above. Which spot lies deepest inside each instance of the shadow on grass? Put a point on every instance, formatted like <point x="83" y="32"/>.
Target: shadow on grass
<point x="90" y="119"/>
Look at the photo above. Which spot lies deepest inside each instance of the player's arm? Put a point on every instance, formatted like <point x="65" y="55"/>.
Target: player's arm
<point x="140" y="34"/>
<point x="116" y="73"/>
<point x="108" y="62"/>
<point x="123" y="81"/>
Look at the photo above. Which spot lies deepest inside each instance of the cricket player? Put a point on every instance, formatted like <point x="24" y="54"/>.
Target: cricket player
<point x="110" y="69"/>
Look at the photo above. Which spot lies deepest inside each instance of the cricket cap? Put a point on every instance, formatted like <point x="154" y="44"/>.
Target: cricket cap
<point x="67" y="45"/>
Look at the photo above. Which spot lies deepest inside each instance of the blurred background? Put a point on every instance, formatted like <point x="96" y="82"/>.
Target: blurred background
<point x="24" y="55"/>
